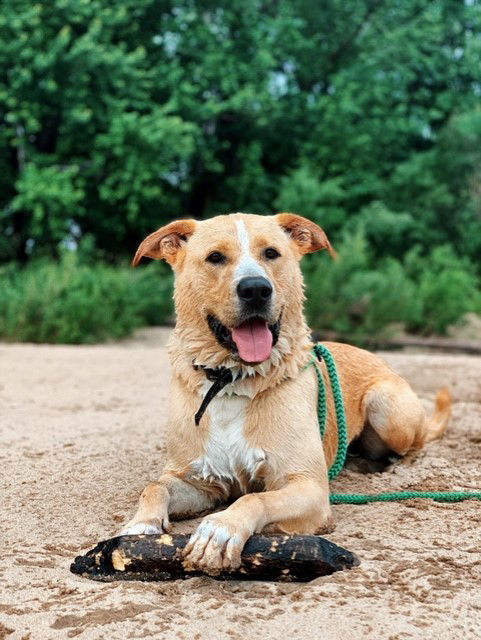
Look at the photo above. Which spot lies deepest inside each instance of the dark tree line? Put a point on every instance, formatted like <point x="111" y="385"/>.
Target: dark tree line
<point x="116" y="117"/>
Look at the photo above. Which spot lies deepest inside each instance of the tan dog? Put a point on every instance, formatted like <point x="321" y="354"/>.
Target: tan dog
<point x="239" y="302"/>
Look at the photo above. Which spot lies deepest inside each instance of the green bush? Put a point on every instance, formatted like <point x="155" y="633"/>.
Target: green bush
<point x="77" y="300"/>
<point x="360" y="297"/>
<point x="71" y="302"/>
<point x="447" y="289"/>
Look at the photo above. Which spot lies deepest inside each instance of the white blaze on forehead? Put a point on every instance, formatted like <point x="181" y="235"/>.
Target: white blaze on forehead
<point x="248" y="266"/>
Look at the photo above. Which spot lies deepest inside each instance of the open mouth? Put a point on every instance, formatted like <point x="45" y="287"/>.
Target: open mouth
<point x="252" y="340"/>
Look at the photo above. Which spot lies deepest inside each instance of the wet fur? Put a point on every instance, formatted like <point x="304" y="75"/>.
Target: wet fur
<point x="259" y="440"/>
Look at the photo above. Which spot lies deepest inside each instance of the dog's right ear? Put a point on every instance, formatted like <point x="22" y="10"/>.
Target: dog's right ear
<point x="166" y="243"/>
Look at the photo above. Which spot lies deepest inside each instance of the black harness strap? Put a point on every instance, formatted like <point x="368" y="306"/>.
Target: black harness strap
<point x="221" y="377"/>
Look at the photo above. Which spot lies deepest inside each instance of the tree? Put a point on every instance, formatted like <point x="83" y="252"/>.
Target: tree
<point x="119" y="116"/>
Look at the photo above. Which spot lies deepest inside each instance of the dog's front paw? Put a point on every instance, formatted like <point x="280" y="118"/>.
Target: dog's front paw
<point x="327" y="526"/>
<point x="147" y="527"/>
<point x="216" y="546"/>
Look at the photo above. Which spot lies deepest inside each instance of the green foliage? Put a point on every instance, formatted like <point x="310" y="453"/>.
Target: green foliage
<point x="69" y="302"/>
<point x="117" y="117"/>
<point x="47" y="193"/>
<point x="447" y="288"/>
<point x="302" y="191"/>
<point x="359" y="297"/>
<point x="387" y="232"/>
<point x="77" y="301"/>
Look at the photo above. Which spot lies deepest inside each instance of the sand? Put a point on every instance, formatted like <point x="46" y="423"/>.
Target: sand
<point x="82" y="432"/>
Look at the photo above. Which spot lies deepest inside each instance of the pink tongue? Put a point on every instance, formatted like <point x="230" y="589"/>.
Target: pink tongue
<point x="253" y="340"/>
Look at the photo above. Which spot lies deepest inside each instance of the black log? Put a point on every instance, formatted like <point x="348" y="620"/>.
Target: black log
<point x="159" y="557"/>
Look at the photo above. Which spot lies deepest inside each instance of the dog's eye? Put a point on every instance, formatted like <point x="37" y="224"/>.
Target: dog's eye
<point x="271" y="254"/>
<point x="216" y="257"/>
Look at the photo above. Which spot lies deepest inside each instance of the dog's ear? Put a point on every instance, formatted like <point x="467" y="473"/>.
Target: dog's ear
<point x="166" y="242"/>
<point x="307" y="235"/>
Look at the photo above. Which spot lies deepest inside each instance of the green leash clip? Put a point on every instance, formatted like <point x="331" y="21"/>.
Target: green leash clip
<point x="321" y="352"/>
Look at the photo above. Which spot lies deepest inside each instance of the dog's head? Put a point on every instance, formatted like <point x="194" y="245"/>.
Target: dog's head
<point x="237" y="276"/>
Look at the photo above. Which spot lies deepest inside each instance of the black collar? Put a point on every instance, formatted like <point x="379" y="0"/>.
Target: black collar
<point x="221" y="376"/>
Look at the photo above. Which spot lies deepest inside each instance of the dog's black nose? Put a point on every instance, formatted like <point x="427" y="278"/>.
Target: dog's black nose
<point x="255" y="291"/>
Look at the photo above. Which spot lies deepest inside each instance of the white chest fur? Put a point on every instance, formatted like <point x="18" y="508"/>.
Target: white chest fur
<point x="227" y="454"/>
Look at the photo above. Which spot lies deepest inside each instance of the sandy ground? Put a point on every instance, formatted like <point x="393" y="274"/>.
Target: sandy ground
<point x="82" y="432"/>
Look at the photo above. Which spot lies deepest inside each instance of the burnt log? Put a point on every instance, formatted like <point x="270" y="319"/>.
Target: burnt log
<point x="159" y="557"/>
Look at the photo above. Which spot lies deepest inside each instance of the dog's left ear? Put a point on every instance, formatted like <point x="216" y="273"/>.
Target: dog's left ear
<point x="307" y="235"/>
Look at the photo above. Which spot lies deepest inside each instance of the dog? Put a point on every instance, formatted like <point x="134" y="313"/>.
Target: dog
<point x="243" y="426"/>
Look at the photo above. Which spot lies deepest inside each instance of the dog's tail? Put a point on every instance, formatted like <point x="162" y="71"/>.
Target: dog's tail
<point x="436" y="424"/>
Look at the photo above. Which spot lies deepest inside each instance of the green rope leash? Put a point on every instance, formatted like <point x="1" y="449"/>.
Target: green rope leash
<point x="396" y="496"/>
<point x="323" y="352"/>
<point x="320" y="351"/>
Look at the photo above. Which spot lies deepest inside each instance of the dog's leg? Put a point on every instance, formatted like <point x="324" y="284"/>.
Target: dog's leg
<point x="301" y="506"/>
<point x="170" y="496"/>
<point x="396" y="420"/>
